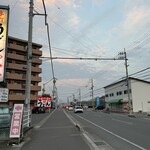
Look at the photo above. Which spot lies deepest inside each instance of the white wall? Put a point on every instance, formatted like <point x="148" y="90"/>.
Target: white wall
<point x="140" y="96"/>
<point x="116" y="88"/>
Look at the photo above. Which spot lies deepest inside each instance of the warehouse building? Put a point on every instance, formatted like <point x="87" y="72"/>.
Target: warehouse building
<point x="116" y="95"/>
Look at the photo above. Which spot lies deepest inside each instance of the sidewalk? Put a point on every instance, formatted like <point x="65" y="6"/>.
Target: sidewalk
<point x="36" y="118"/>
<point x="57" y="133"/>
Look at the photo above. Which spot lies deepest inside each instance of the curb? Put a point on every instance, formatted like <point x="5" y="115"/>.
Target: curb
<point x="78" y="127"/>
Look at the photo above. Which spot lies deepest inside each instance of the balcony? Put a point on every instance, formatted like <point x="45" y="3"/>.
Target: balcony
<point x="37" y="52"/>
<point x="35" y="88"/>
<point x="14" y="76"/>
<point x="14" y="87"/>
<point x="16" y="47"/>
<point x="17" y="57"/>
<point x="36" y="78"/>
<point x="36" y="69"/>
<point x="15" y="97"/>
<point x="37" y="61"/>
<point x="15" y="66"/>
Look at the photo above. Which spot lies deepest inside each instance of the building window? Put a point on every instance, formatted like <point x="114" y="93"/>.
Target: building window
<point x="111" y="94"/>
<point x="125" y="92"/>
<point x="119" y="93"/>
<point x="106" y="95"/>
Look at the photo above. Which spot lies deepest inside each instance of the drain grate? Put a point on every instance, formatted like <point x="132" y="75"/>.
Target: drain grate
<point x="100" y="143"/>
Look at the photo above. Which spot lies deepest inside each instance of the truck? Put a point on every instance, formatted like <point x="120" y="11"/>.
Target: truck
<point x="99" y="103"/>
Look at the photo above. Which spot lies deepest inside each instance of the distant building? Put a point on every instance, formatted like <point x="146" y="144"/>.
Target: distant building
<point x="16" y="70"/>
<point x="116" y="95"/>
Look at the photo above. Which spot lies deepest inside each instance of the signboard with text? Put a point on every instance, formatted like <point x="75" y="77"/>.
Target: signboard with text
<point x="44" y="101"/>
<point x="3" y="95"/>
<point x="16" y="121"/>
<point x="4" y="11"/>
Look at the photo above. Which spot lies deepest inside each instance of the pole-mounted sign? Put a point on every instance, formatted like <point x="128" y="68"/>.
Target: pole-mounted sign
<point x="4" y="13"/>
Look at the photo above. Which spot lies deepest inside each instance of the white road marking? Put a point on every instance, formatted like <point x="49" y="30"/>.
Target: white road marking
<point x="122" y="121"/>
<point x="142" y="148"/>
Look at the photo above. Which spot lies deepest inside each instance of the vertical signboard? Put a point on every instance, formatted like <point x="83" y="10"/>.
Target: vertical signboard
<point x="3" y="95"/>
<point x="16" y="121"/>
<point x="4" y="12"/>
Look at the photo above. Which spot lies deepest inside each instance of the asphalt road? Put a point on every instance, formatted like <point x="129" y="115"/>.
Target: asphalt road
<point x="57" y="133"/>
<point x="118" y="130"/>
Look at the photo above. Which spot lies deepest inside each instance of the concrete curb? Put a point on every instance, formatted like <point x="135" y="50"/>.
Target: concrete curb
<point x="90" y="143"/>
<point x="78" y="127"/>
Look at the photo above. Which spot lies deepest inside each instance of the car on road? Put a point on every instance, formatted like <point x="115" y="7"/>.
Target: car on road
<point x="70" y="108"/>
<point x="5" y="117"/>
<point x="78" y="109"/>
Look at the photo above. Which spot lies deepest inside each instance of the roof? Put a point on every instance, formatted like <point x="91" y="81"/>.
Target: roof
<point x="24" y="41"/>
<point x="124" y="79"/>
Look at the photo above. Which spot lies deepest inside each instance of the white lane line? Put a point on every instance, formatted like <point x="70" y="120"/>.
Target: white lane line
<point x="142" y="148"/>
<point x="122" y="121"/>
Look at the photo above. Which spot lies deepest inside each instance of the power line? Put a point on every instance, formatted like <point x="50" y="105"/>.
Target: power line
<point x="83" y="58"/>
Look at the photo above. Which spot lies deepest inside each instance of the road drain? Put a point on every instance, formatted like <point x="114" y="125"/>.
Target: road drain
<point x="100" y="143"/>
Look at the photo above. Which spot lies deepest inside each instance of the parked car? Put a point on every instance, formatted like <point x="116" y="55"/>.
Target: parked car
<point x="38" y="110"/>
<point x="78" y="109"/>
<point x="5" y="117"/>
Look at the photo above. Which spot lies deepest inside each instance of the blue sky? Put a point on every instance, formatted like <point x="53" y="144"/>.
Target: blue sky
<point x="86" y="28"/>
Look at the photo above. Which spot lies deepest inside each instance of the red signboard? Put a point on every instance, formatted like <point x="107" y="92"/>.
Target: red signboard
<point x="44" y="101"/>
<point x="16" y="121"/>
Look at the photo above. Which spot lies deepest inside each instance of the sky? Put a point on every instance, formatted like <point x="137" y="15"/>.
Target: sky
<point x="86" y="28"/>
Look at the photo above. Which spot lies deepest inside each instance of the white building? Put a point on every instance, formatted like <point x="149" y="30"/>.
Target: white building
<point x="116" y="95"/>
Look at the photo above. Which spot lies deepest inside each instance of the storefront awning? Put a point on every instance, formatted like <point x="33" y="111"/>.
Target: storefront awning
<point x="115" y="101"/>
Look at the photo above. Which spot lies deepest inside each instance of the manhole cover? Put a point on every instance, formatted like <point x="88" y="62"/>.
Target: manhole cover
<point x="100" y="143"/>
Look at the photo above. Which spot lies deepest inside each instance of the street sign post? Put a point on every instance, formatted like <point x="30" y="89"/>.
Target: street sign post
<point x="16" y="121"/>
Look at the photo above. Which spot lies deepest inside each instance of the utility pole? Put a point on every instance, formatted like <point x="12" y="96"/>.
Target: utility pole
<point x="68" y="100"/>
<point x="80" y="96"/>
<point x="55" y="92"/>
<point x="29" y="58"/>
<point x="127" y="79"/>
<point x="92" y="87"/>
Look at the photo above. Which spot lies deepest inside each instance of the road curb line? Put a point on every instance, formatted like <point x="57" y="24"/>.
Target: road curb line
<point x="90" y="143"/>
<point x="43" y="121"/>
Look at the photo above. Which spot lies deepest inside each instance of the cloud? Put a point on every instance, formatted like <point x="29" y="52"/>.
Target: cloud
<point x="73" y="82"/>
<point x="53" y="2"/>
<point x="135" y="18"/>
<point x="74" y="20"/>
<point x="66" y="61"/>
<point x="77" y="3"/>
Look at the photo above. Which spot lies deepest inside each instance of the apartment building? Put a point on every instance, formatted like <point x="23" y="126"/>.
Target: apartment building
<point x="16" y="71"/>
